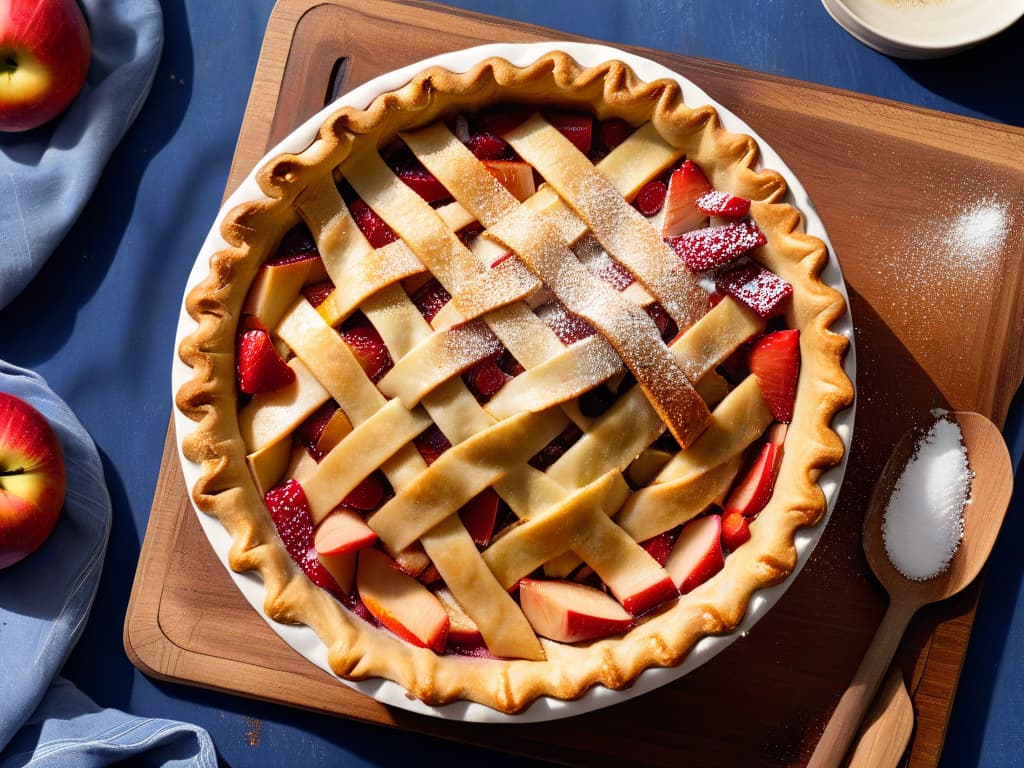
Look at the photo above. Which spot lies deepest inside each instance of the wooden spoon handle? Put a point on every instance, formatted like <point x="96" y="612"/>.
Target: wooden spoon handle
<point x="846" y="719"/>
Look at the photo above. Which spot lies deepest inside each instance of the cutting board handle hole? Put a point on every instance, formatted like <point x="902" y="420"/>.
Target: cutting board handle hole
<point x="336" y="82"/>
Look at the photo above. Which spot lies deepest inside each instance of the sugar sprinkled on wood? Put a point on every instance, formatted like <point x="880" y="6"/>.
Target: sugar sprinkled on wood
<point x="923" y="522"/>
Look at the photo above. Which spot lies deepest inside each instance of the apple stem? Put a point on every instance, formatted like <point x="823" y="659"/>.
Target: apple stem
<point x="9" y="67"/>
<point x="9" y="472"/>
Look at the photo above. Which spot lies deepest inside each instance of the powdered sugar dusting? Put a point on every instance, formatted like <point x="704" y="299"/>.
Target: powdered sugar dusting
<point x="964" y="243"/>
<point x="942" y="260"/>
<point x="923" y="522"/>
<point x="977" y="232"/>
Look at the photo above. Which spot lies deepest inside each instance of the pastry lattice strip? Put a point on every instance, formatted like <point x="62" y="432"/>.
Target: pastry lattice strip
<point x="538" y="241"/>
<point x="450" y="405"/>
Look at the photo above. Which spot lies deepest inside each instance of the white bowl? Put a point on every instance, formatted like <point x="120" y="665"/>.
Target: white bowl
<point x="923" y="29"/>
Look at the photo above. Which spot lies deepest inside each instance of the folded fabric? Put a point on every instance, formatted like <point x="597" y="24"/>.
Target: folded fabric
<point x="47" y="174"/>
<point x="69" y="731"/>
<point x="44" y="604"/>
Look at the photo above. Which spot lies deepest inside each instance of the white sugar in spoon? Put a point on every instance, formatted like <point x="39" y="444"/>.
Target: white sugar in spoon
<point x="989" y="497"/>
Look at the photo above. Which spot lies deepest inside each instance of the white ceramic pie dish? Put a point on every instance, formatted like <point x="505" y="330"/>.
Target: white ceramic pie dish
<point x="923" y="29"/>
<point x="302" y="639"/>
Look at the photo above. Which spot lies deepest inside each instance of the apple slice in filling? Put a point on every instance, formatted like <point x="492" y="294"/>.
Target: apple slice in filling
<point x="753" y="491"/>
<point x="342" y="569"/>
<point x="462" y="630"/>
<point x="342" y="531"/>
<point x="277" y="285"/>
<point x="569" y="612"/>
<point x="515" y="175"/>
<point x="400" y="602"/>
<point x="697" y="555"/>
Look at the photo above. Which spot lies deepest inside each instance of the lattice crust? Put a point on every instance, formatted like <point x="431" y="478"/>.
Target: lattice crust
<point x="581" y="509"/>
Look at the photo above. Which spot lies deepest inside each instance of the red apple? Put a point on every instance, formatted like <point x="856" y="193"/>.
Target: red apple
<point x="32" y="479"/>
<point x="399" y="602"/>
<point x="569" y="612"/>
<point x="697" y="555"/>
<point x="44" y="57"/>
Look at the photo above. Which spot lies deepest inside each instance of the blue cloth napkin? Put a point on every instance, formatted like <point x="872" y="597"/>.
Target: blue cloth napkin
<point x="44" y="603"/>
<point x="47" y="174"/>
<point x="46" y="177"/>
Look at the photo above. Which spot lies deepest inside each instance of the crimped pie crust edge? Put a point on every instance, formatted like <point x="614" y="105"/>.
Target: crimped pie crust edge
<point x="357" y="650"/>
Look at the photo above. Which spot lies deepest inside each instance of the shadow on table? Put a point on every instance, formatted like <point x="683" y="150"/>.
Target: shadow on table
<point x="997" y="61"/>
<point x="250" y="732"/>
<point x="109" y="680"/>
<point x="994" y="641"/>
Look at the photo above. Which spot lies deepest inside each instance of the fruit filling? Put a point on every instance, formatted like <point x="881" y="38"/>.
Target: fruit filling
<point x="334" y="515"/>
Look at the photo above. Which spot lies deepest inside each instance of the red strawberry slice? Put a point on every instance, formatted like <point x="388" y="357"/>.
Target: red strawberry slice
<point x="735" y="367"/>
<point x="367" y="346"/>
<point x="431" y="443"/>
<point x="666" y="327"/>
<point x="614" y="273"/>
<point x="317" y="293"/>
<point x="485" y="379"/>
<point x="735" y="530"/>
<point x="487" y="146"/>
<point x="423" y="183"/>
<point x="259" y="366"/>
<point x="502" y="118"/>
<point x="577" y="127"/>
<point x="613" y="132"/>
<point x="661" y="545"/>
<point x="479" y="515"/>
<point x="429" y="298"/>
<point x="289" y="510"/>
<point x="371" y="225"/>
<point x="511" y="366"/>
<point x="651" y="198"/>
<point x="554" y="450"/>
<point x="685" y="185"/>
<point x="716" y="203"/>
<point x="758" y="288"/>
<point x="708" y="247"/>
<point x="367" y="495"/>
<point x="775" y="361"/>
<point x="297" y="244"/>
<point x="595" y="402"/>
<point x="469" y="233"/>
<point x="569" y="327"/>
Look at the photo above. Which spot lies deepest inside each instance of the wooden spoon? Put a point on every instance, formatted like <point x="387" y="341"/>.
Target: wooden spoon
<point x="990" y="492"/>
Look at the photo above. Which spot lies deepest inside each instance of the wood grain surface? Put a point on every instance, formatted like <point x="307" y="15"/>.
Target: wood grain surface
<point x="917" y="205"/>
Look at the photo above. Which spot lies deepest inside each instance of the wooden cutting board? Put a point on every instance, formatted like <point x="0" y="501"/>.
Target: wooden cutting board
<point x="925" y="212"/>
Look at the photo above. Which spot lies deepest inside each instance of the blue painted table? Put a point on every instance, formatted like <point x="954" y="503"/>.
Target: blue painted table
<point x="129" y="254"/>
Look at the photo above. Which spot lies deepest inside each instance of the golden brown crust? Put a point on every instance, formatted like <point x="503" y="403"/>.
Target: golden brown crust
<point x="252" y="230"/>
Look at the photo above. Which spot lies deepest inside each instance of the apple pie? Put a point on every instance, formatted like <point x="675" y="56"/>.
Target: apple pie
<point x="517" y="382"/>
